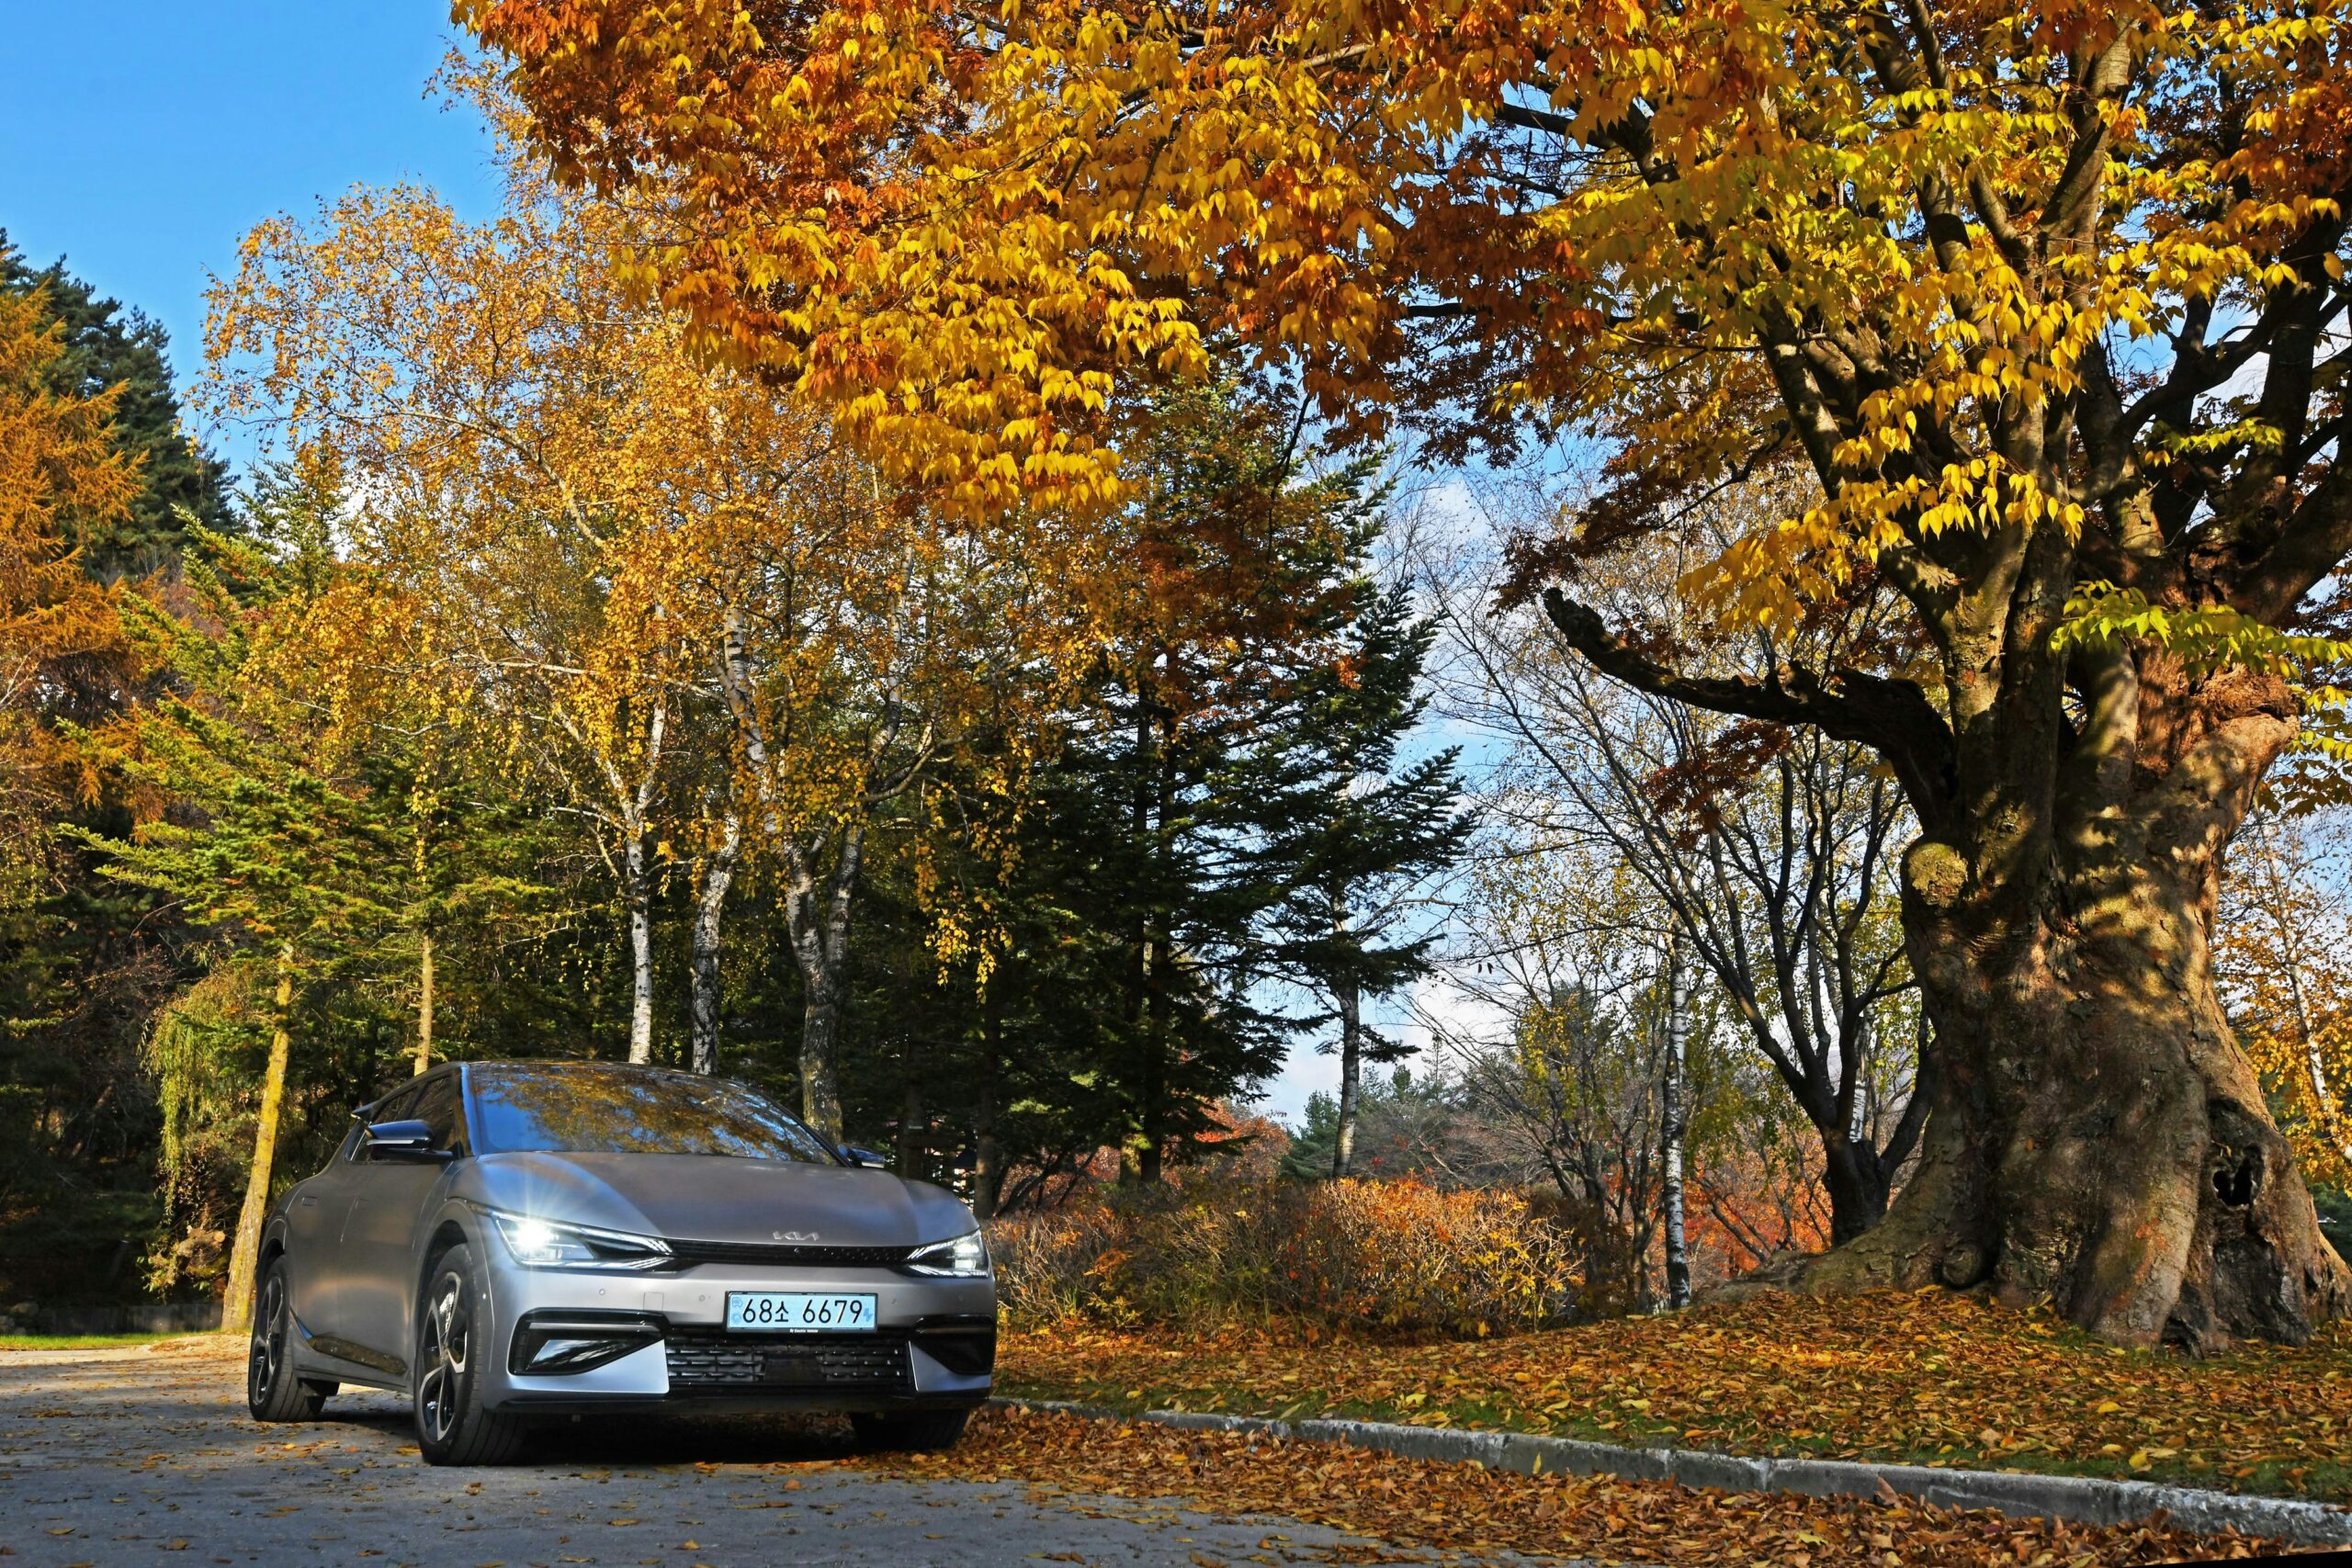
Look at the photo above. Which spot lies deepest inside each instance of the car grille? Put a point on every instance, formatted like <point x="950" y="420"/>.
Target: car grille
<point x="733" y="1363"/>
<point x="787" y="1252"/>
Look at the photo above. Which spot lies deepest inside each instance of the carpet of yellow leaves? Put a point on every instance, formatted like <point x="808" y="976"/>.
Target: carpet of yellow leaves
<point x="1925" y="1378"/>
<point x="1465" y="1507"/>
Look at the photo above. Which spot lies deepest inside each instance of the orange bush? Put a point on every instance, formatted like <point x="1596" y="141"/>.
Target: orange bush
<point x="1394" y="1255"/>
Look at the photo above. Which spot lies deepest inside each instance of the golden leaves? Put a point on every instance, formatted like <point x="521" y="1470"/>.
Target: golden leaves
<point x="1468" y="1507"/>
<point x="59" y="479"/>
<point x="1932" y="1377"/>
<point x="967" y="231"/>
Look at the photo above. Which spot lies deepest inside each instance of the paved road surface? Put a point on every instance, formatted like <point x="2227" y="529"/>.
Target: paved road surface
<point x="112" y="1456"/>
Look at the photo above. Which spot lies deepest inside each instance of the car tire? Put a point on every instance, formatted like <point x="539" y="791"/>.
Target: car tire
<point x="272" y="1391"/>
<point x="452" y="1427"/>
<point x="908" y="1431"/>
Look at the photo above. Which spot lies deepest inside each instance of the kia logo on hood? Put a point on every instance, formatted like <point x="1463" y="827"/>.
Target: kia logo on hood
<point x="792" y="1236"/>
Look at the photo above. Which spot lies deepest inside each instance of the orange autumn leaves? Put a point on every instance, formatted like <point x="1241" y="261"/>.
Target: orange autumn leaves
<point x="1089" y="1465"/>
<point x="1925" y="1378"/>
<point x="59" y="632"/>
<point x="967" y="227"/>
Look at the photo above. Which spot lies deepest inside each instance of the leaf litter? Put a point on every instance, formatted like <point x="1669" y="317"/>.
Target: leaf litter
<point x="1931" y="1377"/>
<point x="1468" y="1509"/>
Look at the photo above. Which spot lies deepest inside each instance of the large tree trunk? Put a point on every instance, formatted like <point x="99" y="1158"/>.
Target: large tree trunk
<point x="1859" y="1183"/>
<point x="1678" y="1252"/>
<point x="988" y="1148"/>
<point x="637" y="889"/>
<point x="237" y="1305"/>
<point x="2097" y="1137"/>
<point x="1350" y="1009"/>
<point x="710" y="905"/>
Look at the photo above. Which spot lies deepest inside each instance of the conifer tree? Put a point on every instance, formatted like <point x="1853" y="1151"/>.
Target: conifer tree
<point x="1353" y="835"/>
<point x="1242" y="578"/>
<point x="107" y="346"/>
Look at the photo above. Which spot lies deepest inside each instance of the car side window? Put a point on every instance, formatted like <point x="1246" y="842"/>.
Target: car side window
<point x="437" y="1109"/>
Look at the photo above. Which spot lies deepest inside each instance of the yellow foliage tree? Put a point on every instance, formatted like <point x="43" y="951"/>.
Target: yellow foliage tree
<point x="60" y="638"/>
<point x="2044" y="303"/>
<point x="638" y="562"/>
<point x="483" y="392"/>
<point x="2284" y="951"/>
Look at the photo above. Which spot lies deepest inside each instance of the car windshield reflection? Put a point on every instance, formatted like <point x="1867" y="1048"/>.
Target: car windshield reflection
<point x="586" y="1110"/>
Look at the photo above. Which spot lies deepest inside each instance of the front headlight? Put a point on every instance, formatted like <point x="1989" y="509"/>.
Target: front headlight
<point x="551" y="1244"/>
<point x="966" y="1257"/>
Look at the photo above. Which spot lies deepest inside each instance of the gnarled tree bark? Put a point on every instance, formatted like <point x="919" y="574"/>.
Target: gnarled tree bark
<point x="2096" y="1136"/>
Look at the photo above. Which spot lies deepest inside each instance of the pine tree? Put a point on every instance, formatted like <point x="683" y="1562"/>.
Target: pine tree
<point x="1244" y="576"/>
<point x="107" y="345"/>
<point x="1354" y="836"/>
<point x="297" y="813"/>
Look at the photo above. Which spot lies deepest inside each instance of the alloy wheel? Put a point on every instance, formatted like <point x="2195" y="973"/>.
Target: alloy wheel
<point x="268" y="1353"/>
<point x="441" y="1391"/>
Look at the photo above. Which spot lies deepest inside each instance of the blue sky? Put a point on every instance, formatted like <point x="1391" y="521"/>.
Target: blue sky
<point x="141" y="138"/>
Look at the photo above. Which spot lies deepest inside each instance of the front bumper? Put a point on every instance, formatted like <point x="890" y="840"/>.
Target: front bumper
<point x="933" y="1345"/>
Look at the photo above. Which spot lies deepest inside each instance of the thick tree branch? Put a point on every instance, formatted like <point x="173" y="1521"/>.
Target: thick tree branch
<point x="1890" y="717"/>
<point x="2312" y="545"/>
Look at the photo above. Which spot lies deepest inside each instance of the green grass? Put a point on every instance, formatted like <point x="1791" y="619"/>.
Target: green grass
<point x="81" y="1341"/>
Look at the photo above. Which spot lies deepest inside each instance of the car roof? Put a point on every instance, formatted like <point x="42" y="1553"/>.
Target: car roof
<point x="563" y="1065"/>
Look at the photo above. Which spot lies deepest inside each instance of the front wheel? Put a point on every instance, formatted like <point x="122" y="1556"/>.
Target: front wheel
<point x="908" y="1431"/>
<point x="452" y="1427"/>
<point x="272" y="1391"/>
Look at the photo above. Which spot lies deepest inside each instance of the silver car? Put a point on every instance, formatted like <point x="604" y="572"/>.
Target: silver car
<point x="508" y="1240"/>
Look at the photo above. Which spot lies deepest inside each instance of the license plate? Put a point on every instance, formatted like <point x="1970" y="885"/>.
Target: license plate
<point x="794" y="1312"/>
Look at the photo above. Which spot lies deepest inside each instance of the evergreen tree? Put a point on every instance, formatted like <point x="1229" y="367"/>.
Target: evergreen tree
<point x="1402" y="1124"/>
<point x="1352" y="836"/>
<point x="299" y="771"/>
<point x="1244" y="577"/>
<point x="108" y="345"/>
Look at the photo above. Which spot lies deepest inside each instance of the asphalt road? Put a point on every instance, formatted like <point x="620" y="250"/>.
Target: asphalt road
<point x="109" y="1456"/>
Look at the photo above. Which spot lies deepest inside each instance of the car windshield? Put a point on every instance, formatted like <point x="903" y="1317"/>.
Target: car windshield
<point x="586" y="1110"/>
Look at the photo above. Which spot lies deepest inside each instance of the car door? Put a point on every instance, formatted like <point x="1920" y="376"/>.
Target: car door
<point x="314" y="1217"/>
<point x="379" y="1235"/>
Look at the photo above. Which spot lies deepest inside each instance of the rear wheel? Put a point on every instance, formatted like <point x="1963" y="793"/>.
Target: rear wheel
<point x="272" y="1391"/>
<point x="908" y="1431"/>
<point x="452" y="1427"/>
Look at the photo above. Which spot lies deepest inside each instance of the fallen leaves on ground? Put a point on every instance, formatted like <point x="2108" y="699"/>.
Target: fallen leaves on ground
<point x="1465" y="1507"/>
<point x="1930" y="1377"/>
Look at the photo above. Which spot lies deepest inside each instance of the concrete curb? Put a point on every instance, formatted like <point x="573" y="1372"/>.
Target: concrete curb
<point x="2079" y="1499"/>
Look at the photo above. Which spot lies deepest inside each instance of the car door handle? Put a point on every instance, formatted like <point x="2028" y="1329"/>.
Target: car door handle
<point x="308" y="1200"/>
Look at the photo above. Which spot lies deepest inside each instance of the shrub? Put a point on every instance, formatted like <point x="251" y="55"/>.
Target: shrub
<point x="1396" y="1257"/>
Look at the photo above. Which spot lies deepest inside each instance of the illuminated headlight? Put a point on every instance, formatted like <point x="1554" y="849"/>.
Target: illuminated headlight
<point x="966" y="1257"/>
<point x="550" y="1244"/>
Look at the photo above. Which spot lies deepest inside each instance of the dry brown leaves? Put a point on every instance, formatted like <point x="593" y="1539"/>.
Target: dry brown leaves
<point x="1465" y="1507"/>
<point x="1933" y="1377"/>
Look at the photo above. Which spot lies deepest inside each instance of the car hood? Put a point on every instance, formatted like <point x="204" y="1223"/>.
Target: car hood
<point x="718" y="1198"/>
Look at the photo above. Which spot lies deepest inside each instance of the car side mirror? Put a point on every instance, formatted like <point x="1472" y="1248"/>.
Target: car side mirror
<point x="867" y="1158"/>
<point x="401" y="1143"/>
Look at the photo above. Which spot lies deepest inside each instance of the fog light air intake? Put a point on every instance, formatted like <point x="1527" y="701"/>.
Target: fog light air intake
<point x="559" y="1344"/>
